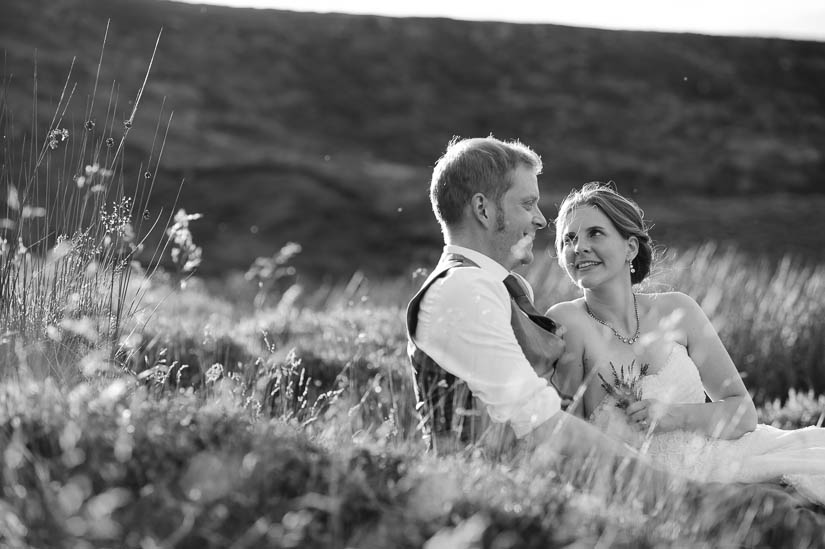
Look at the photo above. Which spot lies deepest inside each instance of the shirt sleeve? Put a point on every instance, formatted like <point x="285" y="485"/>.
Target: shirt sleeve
<point x="464" y="325"/>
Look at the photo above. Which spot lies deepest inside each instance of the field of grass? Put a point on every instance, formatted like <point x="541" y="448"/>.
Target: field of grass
<point x="141" y="406"/>
<point x="217" y="424"/>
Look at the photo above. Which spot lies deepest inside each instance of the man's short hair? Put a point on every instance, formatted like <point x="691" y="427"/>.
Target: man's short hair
<point x="477" y="165"/>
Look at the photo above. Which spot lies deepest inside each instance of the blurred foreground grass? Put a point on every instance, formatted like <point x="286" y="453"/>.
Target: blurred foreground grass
<point x="291" y="425"/>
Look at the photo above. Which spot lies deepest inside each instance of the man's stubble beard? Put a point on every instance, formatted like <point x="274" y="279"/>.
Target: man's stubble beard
<point x="501" y="226"/>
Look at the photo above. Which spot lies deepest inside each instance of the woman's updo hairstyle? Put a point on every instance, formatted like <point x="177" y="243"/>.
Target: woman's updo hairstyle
<point x="625" y="214"/>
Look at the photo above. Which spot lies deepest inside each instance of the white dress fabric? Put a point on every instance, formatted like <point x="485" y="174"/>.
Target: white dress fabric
<point x="767" y="454"/>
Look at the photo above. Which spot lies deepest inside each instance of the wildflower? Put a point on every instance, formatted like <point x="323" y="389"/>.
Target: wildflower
<point x="190" y="260"/>
<point x="62" y="247"/>
<point x="13" y="198"/>
<point x="127" y="124"/>
<point x="185" y="254"/>
<point x="182" y="219"/>
<point x="147" y="175"/>
<point x="268" y="272"/>
<point x="90" y="125"/>
<point x="274" y="268"/>
<point x="194" y="259"/>
<point x="93" y="172"/>
<point x="626" y="389"/>
<point x="33" y="211"/>
<point x="57" y="136"/>
<point x="214" y="372"/>
<point x="110" y="142"/>
<point x="118" y="223"/>
<point x="84" y="327"/>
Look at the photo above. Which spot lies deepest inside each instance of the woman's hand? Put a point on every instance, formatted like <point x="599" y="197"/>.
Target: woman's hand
<point x="654" y="413"/>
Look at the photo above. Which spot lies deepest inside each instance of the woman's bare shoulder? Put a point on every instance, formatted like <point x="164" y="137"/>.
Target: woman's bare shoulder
<point x="567" y="310"/>
<point x="668" y="302"/>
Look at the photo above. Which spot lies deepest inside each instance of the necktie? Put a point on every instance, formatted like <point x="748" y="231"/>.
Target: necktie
<point x="519" y="295"/>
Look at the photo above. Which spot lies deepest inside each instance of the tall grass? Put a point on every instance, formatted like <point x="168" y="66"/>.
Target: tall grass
<point x="298" y="431"/>
<point x="74" y="226"/>
<point x="281" y="463"/>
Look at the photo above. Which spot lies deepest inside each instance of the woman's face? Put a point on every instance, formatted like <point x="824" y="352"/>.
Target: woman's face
<point x="593" y="250"/>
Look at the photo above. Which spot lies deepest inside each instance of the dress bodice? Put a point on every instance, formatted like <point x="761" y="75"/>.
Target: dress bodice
<point x="677" y="381"/>
<point x="766" y="454"/>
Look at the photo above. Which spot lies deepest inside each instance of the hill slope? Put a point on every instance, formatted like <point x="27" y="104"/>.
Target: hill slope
<point x="323" y="128"/>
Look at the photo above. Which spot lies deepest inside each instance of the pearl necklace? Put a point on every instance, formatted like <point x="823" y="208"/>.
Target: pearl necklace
<point x="628" y="340"/>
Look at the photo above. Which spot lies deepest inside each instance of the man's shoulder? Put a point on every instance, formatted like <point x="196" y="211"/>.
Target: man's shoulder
<point x="468" y="274"/>
<point x="465" y="286"/>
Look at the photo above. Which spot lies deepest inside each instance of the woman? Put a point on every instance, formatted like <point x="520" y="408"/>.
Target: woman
<point x="652" y="366"/>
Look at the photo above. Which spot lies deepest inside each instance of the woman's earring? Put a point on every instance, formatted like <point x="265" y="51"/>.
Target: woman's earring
<point x="632" y="268"/>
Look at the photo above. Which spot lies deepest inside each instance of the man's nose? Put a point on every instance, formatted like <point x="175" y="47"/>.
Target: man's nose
<point x="539" y="220"/>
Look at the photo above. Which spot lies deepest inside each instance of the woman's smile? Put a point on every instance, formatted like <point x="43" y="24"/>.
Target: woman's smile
<point x="585" y="265"/>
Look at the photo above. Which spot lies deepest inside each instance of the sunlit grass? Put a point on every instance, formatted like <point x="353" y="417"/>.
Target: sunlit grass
<point x="143" y="408"/>
<point x="304" y="436"/>
<point x="73" y="228"/>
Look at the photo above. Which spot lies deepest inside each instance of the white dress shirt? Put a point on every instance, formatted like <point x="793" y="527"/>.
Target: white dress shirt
<point x="464" y="326"/>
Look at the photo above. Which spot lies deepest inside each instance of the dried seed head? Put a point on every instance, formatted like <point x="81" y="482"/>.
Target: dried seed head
<point x="57" y="136"/>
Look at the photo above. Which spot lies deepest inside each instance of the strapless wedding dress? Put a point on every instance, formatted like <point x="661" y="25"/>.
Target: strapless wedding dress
<point x="794" y="457"/>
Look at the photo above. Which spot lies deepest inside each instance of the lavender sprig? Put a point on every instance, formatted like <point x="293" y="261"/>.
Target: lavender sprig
<point x="626" y="388"/>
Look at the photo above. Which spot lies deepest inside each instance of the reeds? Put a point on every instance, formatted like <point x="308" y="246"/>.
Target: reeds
<point x="73" y="227"/>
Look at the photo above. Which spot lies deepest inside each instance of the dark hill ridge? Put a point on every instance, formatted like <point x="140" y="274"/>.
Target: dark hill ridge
<point x="323" y="128"/>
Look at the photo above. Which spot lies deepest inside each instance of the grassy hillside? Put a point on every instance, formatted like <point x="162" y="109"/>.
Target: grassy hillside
<point x="294" y="426"/>
<point x="322" y="128"/>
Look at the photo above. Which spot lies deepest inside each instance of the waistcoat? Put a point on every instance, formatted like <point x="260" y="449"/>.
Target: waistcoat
<point x="450" y="417"/>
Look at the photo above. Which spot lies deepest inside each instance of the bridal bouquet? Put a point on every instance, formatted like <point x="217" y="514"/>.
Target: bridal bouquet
<point x="626" y="387"/>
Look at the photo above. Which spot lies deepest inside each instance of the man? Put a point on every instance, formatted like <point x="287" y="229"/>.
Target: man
<point x="473" y="335"/>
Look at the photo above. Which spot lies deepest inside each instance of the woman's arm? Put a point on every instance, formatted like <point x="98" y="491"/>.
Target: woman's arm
<point x="732" y="412"/>
<point x="569" y="373"/>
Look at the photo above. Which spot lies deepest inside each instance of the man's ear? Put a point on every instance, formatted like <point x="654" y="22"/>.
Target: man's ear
<point x="481" y="210"/>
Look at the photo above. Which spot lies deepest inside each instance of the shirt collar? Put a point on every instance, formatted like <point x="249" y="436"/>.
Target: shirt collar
<point x="485" y="262"/>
